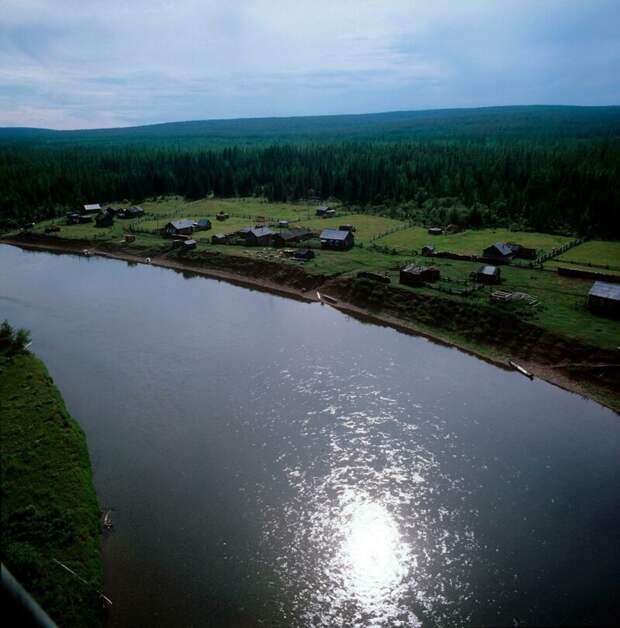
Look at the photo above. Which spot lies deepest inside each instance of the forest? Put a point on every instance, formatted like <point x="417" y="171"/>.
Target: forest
<point x="499" y="172"/>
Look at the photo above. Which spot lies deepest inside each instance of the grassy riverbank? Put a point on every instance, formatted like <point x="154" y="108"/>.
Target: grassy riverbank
<point x="49" y="507"/>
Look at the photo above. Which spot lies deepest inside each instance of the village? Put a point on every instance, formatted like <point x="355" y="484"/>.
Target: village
<point x="541" y="277"/>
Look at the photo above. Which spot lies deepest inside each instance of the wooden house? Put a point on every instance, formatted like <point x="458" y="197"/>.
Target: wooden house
<point x="178" y="227"/>
<point x="288" y="236"/>
<point x="428" y="250"/>
<point x="414" y="275"/>
<point x="202" y="224"/>
<point x="522" y="252"/>
<point x="188" y="245"/>
<point x="500" y="252"/>
<point x="488" y="275"/>
<point x="604" y="299"/>
<point x="304" y="254"/>
<point x="222" y="216"/>
<point x="263" y="236"/>
<point x="77" y="219"/>
<point x="336" y="239"/>
<point x="93" y="208"/>
<point x="220" y="238"/>
<point x="104" y="219"/>
<point x="321" y="211"/>
<point x="347" y="228"/>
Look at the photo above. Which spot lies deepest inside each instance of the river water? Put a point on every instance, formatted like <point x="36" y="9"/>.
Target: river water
<point x="275" y="463"/>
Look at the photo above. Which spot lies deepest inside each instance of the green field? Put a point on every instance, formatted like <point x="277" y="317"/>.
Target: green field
<point x="49" y="508"/>
<point x="469" y="242"/>
<point x="367" y="226"/>
<point x="595" y="252"/>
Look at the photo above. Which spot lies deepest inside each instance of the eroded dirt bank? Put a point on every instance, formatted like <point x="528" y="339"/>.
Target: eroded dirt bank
<point x="496" y="336"/>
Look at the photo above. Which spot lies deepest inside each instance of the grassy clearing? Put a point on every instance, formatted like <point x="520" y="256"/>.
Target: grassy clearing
<point x="595" y="252"/>
<point x="49" y="507"/>
<point x="366" y="226"/>
<point x="470" y="242"/>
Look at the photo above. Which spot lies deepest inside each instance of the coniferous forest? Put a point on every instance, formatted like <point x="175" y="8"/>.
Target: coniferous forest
<point x="566" y="179"/>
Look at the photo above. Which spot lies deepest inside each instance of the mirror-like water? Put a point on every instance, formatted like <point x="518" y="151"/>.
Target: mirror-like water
<point x="270" y="462"/>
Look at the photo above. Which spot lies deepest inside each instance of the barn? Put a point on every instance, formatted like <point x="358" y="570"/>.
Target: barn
<point x="604" y="299"/>
<point x="336" y="239"/>
<point x="414" y="275"/>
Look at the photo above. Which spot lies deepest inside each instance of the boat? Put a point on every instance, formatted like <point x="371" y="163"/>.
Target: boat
<point x="521" y="369"/>
<point x="325" y="298"/>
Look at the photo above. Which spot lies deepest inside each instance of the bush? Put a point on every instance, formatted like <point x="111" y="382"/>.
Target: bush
<point x="13" y="341"/>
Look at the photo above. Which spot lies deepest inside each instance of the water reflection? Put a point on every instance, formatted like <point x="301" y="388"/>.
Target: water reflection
<point x="373" y="557"/>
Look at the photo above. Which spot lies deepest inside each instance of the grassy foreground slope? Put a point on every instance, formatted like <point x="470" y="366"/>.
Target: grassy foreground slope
<point x="49" y="507"/>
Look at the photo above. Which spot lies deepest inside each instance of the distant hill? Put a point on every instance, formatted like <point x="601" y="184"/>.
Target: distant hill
<point x="483" y="124"/>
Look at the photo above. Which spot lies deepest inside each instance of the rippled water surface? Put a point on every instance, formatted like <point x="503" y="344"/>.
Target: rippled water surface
<point x="271" y="462"/>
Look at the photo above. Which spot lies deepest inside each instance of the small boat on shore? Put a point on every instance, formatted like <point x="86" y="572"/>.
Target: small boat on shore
<point x="521" y="370"/>
<point x="325" y="298"/>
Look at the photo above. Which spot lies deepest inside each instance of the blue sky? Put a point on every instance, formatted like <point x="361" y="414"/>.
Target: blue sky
<point x="86" y="64"/>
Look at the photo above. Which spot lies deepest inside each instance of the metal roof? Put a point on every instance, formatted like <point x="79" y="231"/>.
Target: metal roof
<point x="182" y="224"/>
<point x="261" y="232"/>
<point x="503" y="248"/>
<point x="334" y="234"/>
<point x="605" y="290"/>
<point x="92" y="207"/>
<point x="488" y="270"/>
<point x="203" y="221"/>
<point x="291" y="234"/>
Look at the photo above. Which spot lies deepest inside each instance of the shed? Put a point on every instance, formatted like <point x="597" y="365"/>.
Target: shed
<point x="104" y="219"/>
<point x="346" y="228"/>
<point x="130" y="237"/>
<point x="336" y="239"/>
<point x="321" y="211"/>
<point x="76" y="219"/>
<point x="488" y="275"/>
<point x="498" y="251"/>
<point x="288" y="236"/>
<point x="414" y="275"/>
<point x="604" y="299"/>
<point x="188" y="245"/>
<point x="329" y="213"/>
<point x="259" y="237"/>
<point x="435" y="231"/>
<point x="220" y="238"/>
<point x="304" y="254"/>
<point x="178" y="227"/>
<point x="93" y="208"/>
<point x="202" y="224"/>
<point x="283" y="224"/>
<point x="428" y="250"/>
<point x="222" y="216"/>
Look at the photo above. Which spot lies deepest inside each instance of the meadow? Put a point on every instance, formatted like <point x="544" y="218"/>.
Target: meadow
<point x="595" y="253"/>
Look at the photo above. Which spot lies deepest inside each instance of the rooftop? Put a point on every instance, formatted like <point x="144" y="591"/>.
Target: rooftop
<point x="605" y="290"/>
<point x="334" y="234"/>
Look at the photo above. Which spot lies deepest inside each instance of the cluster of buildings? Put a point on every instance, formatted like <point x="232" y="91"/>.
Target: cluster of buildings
<point x="103" y="216"/>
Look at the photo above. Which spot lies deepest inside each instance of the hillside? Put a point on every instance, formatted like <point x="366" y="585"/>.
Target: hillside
<point x="470" y="124"/>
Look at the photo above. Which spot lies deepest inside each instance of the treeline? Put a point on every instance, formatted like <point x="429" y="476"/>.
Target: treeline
<point x="570" y="184"/>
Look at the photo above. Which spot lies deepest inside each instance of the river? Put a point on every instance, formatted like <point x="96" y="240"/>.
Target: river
<point x="270" y="462"/>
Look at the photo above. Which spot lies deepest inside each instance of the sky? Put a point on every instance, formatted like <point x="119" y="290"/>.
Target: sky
<point x="101" y="63"/>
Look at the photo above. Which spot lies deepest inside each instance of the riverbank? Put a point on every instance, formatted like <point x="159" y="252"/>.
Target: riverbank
<point x="495" y="336"/>
<point x="49" y="507"/>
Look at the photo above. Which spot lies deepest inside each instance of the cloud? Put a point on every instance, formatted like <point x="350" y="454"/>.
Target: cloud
<point x="85" y="64"/>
